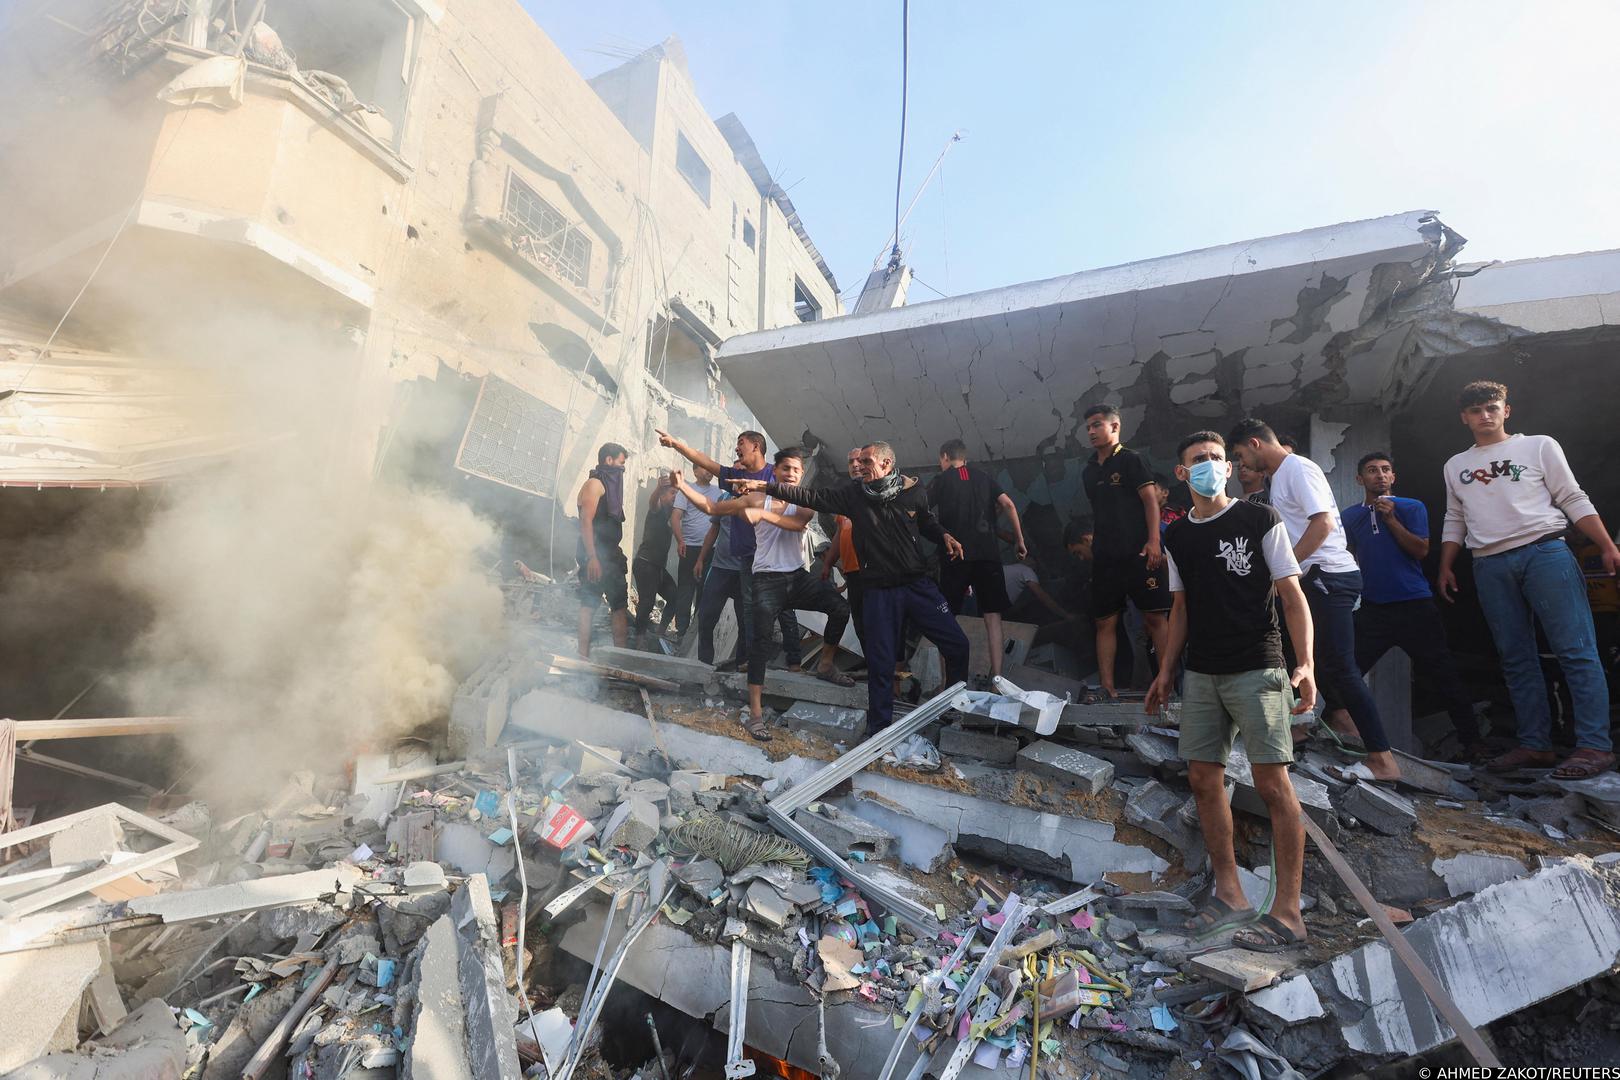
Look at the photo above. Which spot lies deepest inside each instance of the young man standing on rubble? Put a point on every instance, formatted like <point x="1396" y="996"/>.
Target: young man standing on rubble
<point x="1511" y="498"/>
<point x="602" y="566"/>
<point x="751" y="465"/>
<point x="691" y="528"/>
<point x="967" y="501"/>
<point x="1389" y="537"/>
<point x="887" y="516"/>
<point x="1127" y="557"/>
<point x="781" y="582"/>
<point x="1227" y="560"/>
<point x="1332" y="581"/>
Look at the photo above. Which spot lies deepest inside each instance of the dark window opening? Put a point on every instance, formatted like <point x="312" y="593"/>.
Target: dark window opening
<point x="690" y="164"/>
<point x="748" y="233"/>
<point x="543" y="235"/>
<point x="804" y="305"/>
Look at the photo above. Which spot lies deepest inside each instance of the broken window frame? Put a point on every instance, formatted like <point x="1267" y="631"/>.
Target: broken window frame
<point x="806" y="308"/>
<point x="565" y="250"/>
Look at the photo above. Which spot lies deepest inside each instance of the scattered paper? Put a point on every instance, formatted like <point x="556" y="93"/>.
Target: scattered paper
<point x="839" y="958"/>
<point x="1162" y="1018"/>
<point x="361" y="854"/>
<point x="987" y="1056"/>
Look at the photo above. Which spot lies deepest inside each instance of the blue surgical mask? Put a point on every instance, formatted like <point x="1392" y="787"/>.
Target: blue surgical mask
<point x="1207" y="478"/>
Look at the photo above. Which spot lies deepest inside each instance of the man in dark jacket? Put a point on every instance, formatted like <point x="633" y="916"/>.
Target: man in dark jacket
<point x="894" y="574"/>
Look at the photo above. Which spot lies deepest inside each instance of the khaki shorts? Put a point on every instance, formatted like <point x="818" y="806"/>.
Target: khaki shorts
<point x="1216" y="707"/>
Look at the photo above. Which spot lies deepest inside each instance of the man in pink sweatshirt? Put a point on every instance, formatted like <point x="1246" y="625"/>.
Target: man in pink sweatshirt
<point x="1511" y="498"/>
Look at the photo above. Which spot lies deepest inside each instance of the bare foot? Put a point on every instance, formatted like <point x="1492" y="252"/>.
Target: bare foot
<point x="1383" y="766"/>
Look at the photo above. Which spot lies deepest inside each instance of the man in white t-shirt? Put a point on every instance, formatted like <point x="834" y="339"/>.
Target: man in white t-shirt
<point x="1332" y="578"/>
<point x="691" y="527"/>
<point x="1511" y="498"/>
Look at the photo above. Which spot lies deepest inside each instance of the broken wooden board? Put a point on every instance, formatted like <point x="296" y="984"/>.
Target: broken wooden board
<point x="106" y="872"/>
<point x="37" y="730"/>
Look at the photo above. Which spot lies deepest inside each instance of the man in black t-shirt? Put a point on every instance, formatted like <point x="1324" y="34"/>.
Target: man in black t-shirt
<point x="1128" y="561"/>
<point x="1227" y="560"/>
<point x="966" y="501"/>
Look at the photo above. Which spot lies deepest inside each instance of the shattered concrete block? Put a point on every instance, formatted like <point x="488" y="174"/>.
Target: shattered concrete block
<point x="1475" y="870"/>
<point x="437" y="1048"/>
<point x="491" y="1013"/>
<point x="1073" y="767"/>
<point x="93" y="840"/>
<point x="1292" y="1002"/>
<point x="147" y="1043"/>
<point x="655" y="791"/>
<point x="832" y="721"/>
<point x="921" y="843"/>
<point x="1512" y="945"/>
<point x="958" y="741"/>
<point x="844" y="832"/>
<point x="637" y="825"/>
<point x="479" y="709"/>
<point x="1243" y="969"/>
<point x="39" y="999"/>
<point x="464" y="847"/>
<point x="1158" y="752"/>
<point x="1313" y="794"/>
<point x="1380" y="808"/>
<point x="700" y="781"/>
<point x="1156" y="810"/>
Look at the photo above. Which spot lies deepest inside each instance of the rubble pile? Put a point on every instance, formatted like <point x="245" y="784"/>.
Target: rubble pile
<point x="999" y="883"/>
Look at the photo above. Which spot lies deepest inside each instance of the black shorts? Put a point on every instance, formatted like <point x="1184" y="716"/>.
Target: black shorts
<point x="984" y="575"/>
<point x="614" y="586"/>
<point x="1115" y="581"/>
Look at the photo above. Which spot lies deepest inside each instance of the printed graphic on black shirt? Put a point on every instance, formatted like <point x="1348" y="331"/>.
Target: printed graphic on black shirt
<point x="1229" y="593"/>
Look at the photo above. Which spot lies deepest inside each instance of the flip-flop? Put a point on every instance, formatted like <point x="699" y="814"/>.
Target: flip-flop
<point x="1267" y="935"/>
<point x="755" y="728"/>
<point x="1215" y="916"/>
<point x="836" y="677"/>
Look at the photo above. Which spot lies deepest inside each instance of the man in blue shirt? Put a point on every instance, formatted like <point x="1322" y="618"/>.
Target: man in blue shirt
<point x="1389" y="536"/>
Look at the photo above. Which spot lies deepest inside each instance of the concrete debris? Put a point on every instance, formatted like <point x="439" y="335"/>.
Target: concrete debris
<point x="1380" y="808"/>
<point x="1473" y="871"/>
<point x="434" y="904"/>
<point x="1074" y="767"/>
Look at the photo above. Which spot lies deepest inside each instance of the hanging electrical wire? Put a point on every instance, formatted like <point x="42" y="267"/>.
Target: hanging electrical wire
<point x="905" y="75"/>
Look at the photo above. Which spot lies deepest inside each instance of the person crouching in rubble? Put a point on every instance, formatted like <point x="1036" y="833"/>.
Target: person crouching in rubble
<point x="780" y="580"/>
<point x="1227" y="559"/>
<point x="603" y="568"/>
<point x="894" y="575"/>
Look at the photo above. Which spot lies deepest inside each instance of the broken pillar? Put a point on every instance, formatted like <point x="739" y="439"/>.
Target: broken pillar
<point x="491" y="1012"/>
<point x="1067" y="766"/>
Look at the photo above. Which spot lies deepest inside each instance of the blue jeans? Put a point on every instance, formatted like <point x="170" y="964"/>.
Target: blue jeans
<point x="1542" y="583"/>
<point x="1332" y="599"/>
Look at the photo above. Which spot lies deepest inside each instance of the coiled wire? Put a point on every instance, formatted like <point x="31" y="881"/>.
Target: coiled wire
<point x="733" y="845"/>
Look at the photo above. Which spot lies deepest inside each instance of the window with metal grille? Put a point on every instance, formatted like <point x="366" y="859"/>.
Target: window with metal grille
<point x="543" y="235"/>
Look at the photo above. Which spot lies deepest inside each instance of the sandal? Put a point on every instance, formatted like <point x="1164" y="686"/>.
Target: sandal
<point x="1522" y="757"/>
<point x="1267" y="935"/>
<point x="754" y="727"/>
<point x="1215" y="916"/>
<point x="836" y="677"/>
<point x="1584" y="764"/>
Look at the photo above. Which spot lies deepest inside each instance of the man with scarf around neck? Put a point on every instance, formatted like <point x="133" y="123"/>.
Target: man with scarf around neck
<point x="894" y="574"/>
<point x="602" y="565"/>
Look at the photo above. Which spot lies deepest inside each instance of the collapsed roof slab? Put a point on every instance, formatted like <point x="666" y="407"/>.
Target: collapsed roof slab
<point x="1315" y="314"/>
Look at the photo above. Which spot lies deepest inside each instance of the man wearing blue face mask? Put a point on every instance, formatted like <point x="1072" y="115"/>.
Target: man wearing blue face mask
<point x="1227" y="561"/>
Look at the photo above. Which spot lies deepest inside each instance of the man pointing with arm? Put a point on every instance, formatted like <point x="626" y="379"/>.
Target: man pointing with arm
<point x="893" y="571"/>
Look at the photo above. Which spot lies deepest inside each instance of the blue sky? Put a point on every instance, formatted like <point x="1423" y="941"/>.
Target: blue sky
<point x="1099" y="134"/>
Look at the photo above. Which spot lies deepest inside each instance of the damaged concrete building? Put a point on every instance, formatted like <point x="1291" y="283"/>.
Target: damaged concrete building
<point x="485" y="264"/>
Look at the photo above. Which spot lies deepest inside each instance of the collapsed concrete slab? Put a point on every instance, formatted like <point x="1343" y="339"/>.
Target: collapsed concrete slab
<point x="40" y="992"/>
<point x="1512" y="945"/>
<point x="1475" y="870"/>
